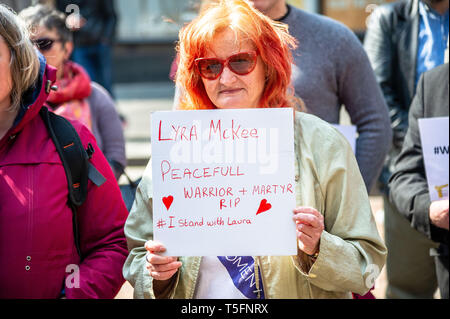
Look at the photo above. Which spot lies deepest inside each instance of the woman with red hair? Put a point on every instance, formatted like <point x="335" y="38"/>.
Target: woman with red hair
<point x="197" y="40"/>
<point x="232" y="56"/>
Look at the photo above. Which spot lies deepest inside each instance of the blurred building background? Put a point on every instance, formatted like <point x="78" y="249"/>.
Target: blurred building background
<point x="147" y="30"/>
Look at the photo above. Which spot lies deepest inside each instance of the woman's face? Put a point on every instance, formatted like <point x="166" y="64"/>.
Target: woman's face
<point x="58" y="52"/>
<point x="231" y="90"/>
<point x="5" y="76"/>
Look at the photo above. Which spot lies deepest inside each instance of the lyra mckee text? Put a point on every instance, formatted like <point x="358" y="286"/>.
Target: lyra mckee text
<point x="215" y="131"/>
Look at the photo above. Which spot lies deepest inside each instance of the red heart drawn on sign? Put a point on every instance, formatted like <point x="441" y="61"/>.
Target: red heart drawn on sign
<point x="263" y="207"/>
<point x="167" y="201"/>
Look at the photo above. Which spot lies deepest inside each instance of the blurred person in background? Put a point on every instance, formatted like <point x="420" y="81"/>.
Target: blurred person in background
<point x="408" y="184"/>
<point x="38" y="251"/>
<point x="404" y="39"/>
<point x="93" y="23"/>
<point x="77" y="97"/>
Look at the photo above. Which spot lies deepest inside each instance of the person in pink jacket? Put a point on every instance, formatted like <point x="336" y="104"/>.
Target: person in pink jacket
<point x="38" y="255"/>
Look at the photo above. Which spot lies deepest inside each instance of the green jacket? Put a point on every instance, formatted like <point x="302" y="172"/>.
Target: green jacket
<point x="327" y="178"/>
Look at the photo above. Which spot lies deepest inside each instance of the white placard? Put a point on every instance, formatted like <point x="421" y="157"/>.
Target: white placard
<point x="349" y="132"/>
<point x="223" y="182"/>
<point x="434" y="138"/>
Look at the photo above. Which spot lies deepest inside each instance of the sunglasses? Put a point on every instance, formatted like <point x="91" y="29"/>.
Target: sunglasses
<point x="45" y="44"/>
<point x="241" y="63"/>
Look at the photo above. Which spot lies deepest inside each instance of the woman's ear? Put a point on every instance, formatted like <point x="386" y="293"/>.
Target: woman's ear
<point x="68" y="48"/>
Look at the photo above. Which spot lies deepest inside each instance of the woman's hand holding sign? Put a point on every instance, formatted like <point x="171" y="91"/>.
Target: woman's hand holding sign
<point x="439" y="213"/>
<point x="310" y="225"/>
<point x="160" y="268"/>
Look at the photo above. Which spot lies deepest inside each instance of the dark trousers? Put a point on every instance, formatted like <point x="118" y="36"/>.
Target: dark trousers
<point x="411" y="270"/>
<point x="442" y="271"/>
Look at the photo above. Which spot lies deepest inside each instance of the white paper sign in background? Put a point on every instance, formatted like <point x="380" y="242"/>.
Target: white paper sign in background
<point x="349" y="132"/>
<point x="223" y="182"/>
<point x="434" y="138"/>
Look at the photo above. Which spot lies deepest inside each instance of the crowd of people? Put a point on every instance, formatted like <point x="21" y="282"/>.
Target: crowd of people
<point x="313" y="65"/>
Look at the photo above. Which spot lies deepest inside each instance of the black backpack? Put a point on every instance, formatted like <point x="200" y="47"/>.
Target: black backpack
<point x="75" y="160"/>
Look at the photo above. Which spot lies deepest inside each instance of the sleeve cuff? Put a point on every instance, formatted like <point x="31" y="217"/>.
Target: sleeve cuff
<point x="329" y="272"/>
<point x="316" y="267"/>
<point x="421" y="217"/>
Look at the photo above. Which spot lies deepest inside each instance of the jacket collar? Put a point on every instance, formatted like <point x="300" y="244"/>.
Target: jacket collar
<point x="34" y="98"/>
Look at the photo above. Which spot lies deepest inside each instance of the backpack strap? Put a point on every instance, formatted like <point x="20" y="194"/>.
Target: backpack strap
<point x="75" y="160"/>
<point x="72" y="153"/>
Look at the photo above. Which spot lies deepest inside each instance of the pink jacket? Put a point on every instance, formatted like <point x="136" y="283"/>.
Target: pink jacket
<point x="38" y="258"/>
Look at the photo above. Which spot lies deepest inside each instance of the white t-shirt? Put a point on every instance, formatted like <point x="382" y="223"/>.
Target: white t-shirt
<point x="230" y="277"/>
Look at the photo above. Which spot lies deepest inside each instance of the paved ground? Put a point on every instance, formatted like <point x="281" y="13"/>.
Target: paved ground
<point x="136" y="102"/>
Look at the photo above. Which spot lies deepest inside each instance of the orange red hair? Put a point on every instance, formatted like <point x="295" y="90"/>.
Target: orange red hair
<point x="269" y="37"/>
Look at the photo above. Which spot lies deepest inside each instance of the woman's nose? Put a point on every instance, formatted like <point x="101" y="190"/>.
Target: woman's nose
<point x="227" y="76"/>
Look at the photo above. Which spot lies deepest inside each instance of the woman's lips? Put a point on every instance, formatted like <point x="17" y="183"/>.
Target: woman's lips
<point x="230" y="91"/>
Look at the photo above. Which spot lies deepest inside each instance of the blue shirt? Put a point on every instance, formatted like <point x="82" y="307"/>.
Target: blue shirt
<point x="433" y="35"/>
